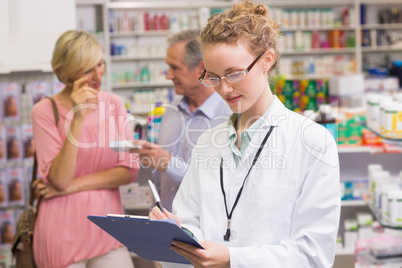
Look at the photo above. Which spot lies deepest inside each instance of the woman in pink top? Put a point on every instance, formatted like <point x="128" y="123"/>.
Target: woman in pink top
<point x="81" y="174"/>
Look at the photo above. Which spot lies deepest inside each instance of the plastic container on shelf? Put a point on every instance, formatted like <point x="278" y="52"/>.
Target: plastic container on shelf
<point x="398" y="97"/>
<point x="382" y="187"/>
<point x="203" y="15"/>
<point x="384" y="205"/>
<point x="350" y="234"/>
<point x="384" y="102"/>
<point x="154" y="122"/>
<point x="373" y="168"/>
<point x="395" y="208"/>
<point x="373" y="111"/>
<point x="393" y="120"/>
<point x="376" y="178"/>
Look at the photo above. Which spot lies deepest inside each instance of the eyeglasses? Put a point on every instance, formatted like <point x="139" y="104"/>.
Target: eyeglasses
<point x="230" y="78"/>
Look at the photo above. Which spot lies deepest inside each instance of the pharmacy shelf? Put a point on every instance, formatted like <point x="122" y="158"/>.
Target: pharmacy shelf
<point x="345" y="251"/>
<point x="142" y="85"/>
<point x="139" y="34"/>
<point x="353" y="203"/>
<point x="377" y="215"/>
<point x="35" y="67"/>
<point x="318" y="28"/>
<point x="361" y="149"/>
<point x="394" y="142"/>
<point x="380" y="49"/>
<point x="380" y="2"/>
<point x="89" y="2"/>
<point x="168" y="5"/>
<point x="135" y="58"/>
<point x="308" y="3"/>
<point x="319" y="51"/>
<point x="382" y="26"/>
<point x="306" y="76"/>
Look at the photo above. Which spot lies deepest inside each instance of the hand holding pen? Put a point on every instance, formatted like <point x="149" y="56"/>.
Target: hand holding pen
<point x="158" y="212"/>
<point x="156" y="196"/>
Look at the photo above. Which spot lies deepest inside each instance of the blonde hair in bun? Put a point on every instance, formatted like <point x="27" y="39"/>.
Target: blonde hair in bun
<point x="246" y="22"/>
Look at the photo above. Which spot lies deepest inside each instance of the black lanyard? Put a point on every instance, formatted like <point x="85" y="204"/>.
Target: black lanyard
<point x="229" y="216"/>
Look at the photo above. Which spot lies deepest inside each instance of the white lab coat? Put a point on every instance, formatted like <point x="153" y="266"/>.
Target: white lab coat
<point x="288" y="213"/>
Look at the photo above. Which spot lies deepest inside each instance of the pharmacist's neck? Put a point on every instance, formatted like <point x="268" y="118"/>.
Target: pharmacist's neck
<point x="256" y="111"/>
<point x="197" y="100"/>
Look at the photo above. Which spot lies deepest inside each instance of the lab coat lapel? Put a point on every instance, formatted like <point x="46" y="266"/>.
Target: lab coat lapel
<point x="225" y="152"/>
<point x="274" y="114"/>
<point x="252" y="149"/>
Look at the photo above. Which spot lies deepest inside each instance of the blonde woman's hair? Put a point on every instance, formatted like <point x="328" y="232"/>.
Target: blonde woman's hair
<point x="244" y="22"/>
<point x="75" y="53"/>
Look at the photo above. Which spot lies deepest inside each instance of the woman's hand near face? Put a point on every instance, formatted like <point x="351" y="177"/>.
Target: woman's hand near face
<point x="83" y="97"/>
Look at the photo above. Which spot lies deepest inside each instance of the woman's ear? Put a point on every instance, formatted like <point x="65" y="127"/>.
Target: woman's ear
<point x="268" y="59"/>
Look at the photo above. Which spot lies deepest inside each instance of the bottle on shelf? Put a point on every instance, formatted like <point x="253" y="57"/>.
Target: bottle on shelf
<point x="154" y="122"/>
<point x="147" y="21"/>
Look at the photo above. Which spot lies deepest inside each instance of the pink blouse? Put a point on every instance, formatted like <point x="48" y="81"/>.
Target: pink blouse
<point x="63" y="234"/>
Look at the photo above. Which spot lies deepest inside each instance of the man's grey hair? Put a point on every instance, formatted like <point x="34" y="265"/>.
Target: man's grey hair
<point x="192" y="53"/>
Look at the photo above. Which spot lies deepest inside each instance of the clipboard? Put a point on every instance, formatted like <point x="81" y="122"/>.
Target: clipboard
<point x="149" y="239"/>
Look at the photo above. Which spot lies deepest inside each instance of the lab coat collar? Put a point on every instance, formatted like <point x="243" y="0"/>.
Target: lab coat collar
<point x="275" y="117"/>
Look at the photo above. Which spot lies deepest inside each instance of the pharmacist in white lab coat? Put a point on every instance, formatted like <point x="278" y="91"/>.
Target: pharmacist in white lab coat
<point x="284" y="210"/>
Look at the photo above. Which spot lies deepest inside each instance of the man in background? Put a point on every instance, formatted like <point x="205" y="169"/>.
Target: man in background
<point x="200" y="109"/>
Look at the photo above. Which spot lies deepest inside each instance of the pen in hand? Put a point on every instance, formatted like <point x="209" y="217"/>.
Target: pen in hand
<point x="156" y="196"/>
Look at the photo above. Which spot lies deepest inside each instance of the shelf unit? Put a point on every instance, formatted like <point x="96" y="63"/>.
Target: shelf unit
<point x="374" y="54"/>
<point x="131" y="60"/>
<point x="381" y="49"/>
<point x="136" y="85"/>
<point x="135" y="58"/>
<point x="317" y="28"/>
<point x="345" y="251"/>
<point x="353" y="203"/>
<point x="324" y="51"/>
<point x="297" y="56"/>
<point x="396" y="142"/>
<point x="38" y="67"/>
<point x="357" y="52"/>
<point x="360" y="149"/>
<point x="385" y="26"/>
<point x="140" y="34"/>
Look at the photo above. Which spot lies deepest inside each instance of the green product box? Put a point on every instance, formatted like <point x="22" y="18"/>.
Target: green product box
<point x="343" y="133"/>
<point x="287" y="89"/>
<point x="311" y="105"/>
<point x="288" y="103"/>
<point x="310" y="89"/>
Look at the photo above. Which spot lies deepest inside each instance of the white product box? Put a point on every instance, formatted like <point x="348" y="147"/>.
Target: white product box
<point x="10" y="101"/>
<point x="346" y="85"/>
<point x="381" y="84"/>
<point x="39" y="90"/>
